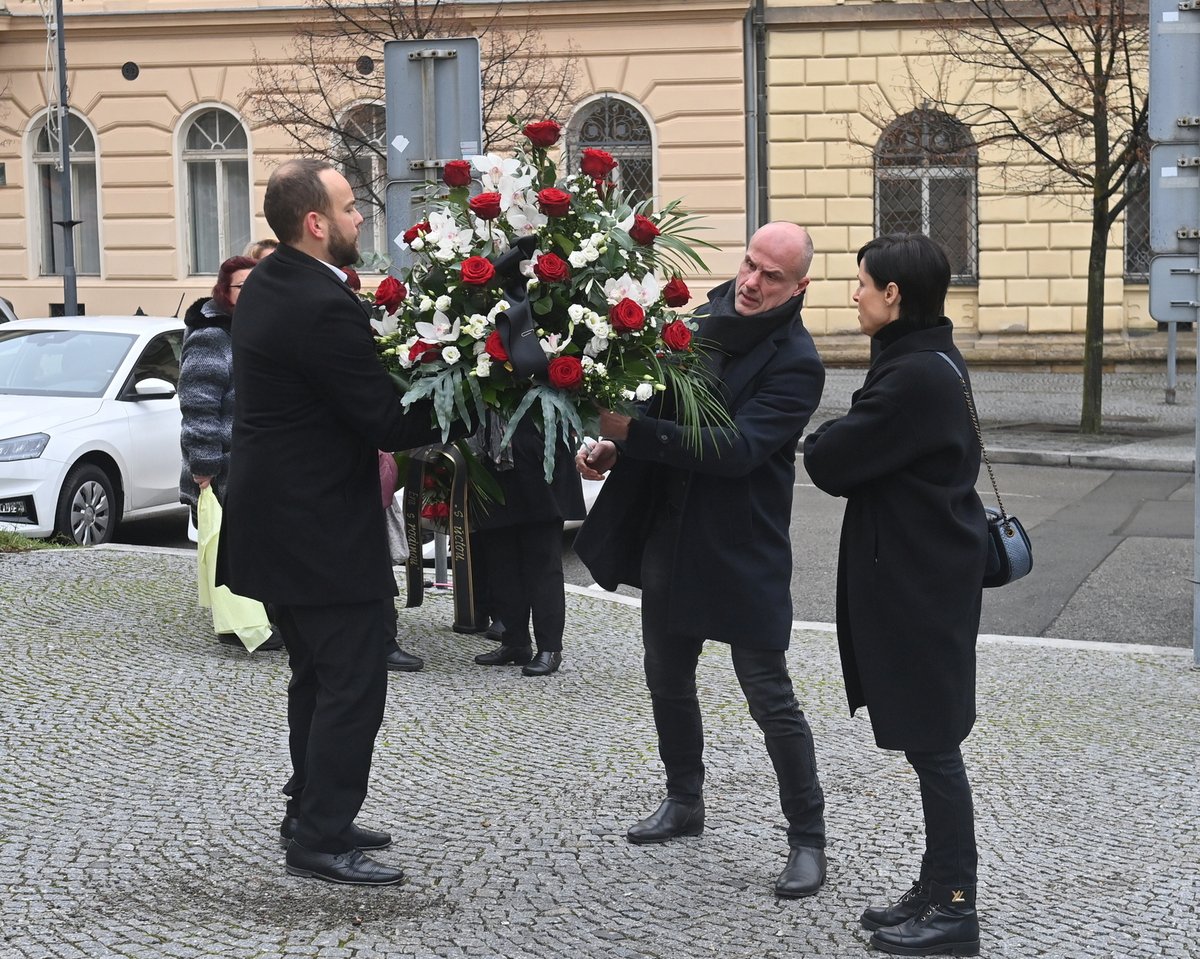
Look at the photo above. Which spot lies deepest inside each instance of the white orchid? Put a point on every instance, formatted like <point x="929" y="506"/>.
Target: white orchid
<point x="506" y="176"/>
<point x="441" y="330"/>
<point x="644" y="292"/>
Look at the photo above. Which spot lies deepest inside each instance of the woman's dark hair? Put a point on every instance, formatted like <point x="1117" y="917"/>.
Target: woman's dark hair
<point x="919" y="269"/>
<point x="293" y="191"/>
<point x="220" y="292"/>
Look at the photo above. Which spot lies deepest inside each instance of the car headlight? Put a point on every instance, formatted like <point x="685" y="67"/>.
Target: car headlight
<point x="23" y="447"/>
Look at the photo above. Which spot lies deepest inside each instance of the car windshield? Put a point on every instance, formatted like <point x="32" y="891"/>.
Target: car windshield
<point x="60" y="362"/>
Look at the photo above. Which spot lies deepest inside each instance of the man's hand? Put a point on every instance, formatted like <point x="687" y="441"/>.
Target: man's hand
<point x="614" y="425"/>
<point x="595" y="459"/>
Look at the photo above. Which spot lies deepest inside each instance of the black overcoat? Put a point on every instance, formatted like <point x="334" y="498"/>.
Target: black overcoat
<point x="733" y="561"/>
<point x="913" y="544"/>
<point x="302" y="523"/>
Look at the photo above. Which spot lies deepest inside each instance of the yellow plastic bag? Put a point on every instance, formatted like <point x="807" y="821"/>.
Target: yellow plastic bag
<point x="231" y="613"/>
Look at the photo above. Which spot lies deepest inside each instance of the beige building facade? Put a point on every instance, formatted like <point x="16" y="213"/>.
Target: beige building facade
<point x="743" y="109"/>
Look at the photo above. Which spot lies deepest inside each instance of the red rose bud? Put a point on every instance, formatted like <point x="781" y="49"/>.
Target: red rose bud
<point x="676" y="293"/>
<point x="643" y="230"/>
<point x="486" y="206"/>
<point x="565" y="373"/>
<point x="477" y="270"/>
<point x="551" y="268"/>
<point x="554" y="202"/>
<point x="677" y="336"/>
<point x="391" y="294"/>
<point x="493" y="346"/>
<point x="627" y="316"/>
<point x="415" y="231"/>
<point x="456" y="173"/>
<point x="441" y="510"/>
<point x="543" y="133"/>
<point x="597" y="163"/>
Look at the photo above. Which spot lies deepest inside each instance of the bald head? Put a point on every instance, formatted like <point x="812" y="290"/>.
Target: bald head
<point x="775" y="268"/>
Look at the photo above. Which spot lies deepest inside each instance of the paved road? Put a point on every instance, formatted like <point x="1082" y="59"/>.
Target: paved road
<point x="140" y="763"/>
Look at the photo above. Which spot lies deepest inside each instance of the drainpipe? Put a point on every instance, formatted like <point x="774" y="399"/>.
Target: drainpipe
<point x="755" y="52"/>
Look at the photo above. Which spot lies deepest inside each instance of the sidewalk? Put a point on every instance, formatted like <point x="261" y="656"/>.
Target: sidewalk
<point x="1033" y="418"/>
<point x="140" y="763"/>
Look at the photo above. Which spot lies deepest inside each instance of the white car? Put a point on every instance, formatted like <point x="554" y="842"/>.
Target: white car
<point x="89" y="423"/>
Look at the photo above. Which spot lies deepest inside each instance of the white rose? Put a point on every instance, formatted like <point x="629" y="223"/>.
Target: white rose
<point x="452" y="355"/>
<point x="483" y="367"/>
<point x="578" y="259"/>
<point x="575" y="312"/>
<point x="418" y="243"/>
<point x="642" y="393"/>
<point x="443" y="303"/>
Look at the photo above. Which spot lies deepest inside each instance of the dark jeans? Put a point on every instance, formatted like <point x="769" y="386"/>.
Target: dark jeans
<point x="335" y="707"/>
<point x="671" y="678"/>
<point x="950" y="856"/>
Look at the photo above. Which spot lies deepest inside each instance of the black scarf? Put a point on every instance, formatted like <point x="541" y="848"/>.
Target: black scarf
<point x="725" y="331"/>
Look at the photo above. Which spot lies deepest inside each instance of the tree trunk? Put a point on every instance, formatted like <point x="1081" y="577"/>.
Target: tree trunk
<point x="1091" y="420"/>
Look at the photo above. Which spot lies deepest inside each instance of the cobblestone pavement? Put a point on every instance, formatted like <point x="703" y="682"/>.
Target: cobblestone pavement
<point x="140" y="763"/>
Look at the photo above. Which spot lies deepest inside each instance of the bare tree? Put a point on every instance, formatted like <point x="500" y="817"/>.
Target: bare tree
<point x="330" y="65"/>
<point x="1062" y="83"/>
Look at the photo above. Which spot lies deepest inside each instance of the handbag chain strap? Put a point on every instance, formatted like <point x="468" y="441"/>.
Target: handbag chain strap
<point x="978" y="433"/>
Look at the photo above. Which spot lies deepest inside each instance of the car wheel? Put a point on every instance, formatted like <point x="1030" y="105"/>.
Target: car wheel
<point x="87" y="510"/>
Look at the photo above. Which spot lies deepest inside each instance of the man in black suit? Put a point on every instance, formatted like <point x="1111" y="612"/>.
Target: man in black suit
<point x="705" y="533"/>
<point x="302" y="526"/>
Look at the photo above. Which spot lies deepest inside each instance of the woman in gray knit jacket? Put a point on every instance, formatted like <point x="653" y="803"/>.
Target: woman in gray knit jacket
<point x="206" y="395"/>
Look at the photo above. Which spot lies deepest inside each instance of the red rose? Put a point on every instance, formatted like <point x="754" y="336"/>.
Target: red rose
<point x="554" y="202"/>
<point x="494" y="347"/>
<point x="477" y="270"/>
<point x="676" y="293"/>
<point x="676" y="336"/>
<point x="543" y="133"/>
<point x="486" y="206"/>
<point x="415" y="231"/>
<point x="643" y="231"/>
<point x="456" y="173"/>
<point x="425" y="352"/>
<point x="352" y="279"/>
<point x="551" y="268"/>
<point x="597" y="163"/>
<point x="627" y="316"/>
<point x="435" y="511"/>
<point x="565" y="373"/>
<point x="390" y="294"/>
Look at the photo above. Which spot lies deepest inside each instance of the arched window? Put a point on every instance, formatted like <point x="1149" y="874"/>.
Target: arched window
<point x="216" y="164"/>
<point x="1137" y="226"/>
<point x="926" y="169"/>
<point x="47" y="164"/>
<point x="621" y="128"/>
<point x="364" y="163"/>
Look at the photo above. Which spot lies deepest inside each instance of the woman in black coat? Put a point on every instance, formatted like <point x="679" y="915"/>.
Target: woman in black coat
<point x="910" y="573"/>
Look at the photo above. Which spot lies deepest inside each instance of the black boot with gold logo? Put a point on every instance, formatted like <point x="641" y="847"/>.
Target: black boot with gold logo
<point x="947" y="926"/>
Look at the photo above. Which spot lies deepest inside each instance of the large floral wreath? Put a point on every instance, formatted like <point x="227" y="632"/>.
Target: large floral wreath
<point x="527" y="294"/>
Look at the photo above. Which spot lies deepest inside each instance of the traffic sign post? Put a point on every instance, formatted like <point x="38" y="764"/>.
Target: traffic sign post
<point x="434" y="114"/>
<point x="1174" y="122"/>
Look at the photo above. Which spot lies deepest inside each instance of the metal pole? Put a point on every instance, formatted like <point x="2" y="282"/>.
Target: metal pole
<point x="1171" y="341"/>
<point x="68" y="224"/>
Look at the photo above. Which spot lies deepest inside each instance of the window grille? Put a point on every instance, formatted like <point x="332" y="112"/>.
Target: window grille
<point x="926" y="181"/>
<point x="1137" y="227"/>
<point x="619" y="127"/>
<point x="364" y="132"/>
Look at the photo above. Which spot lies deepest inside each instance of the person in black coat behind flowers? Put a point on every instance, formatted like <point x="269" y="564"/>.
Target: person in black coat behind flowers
<point x="910" y="573"/>
<point x="705" y="533"/>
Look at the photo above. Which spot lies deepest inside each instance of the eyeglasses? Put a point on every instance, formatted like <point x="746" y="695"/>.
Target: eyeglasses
<point x="235" y="286"/>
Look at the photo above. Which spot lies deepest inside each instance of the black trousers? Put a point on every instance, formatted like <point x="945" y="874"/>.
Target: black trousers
<point x="670" y="663"/>
<point x="950" y="858"/>
<point x="335" y="707"/>
<point x="523" y="567"/>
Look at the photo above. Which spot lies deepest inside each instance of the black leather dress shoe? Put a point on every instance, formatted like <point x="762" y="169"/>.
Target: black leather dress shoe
<point x="518" y="655"/>
<point x="365" y="839"/>
<point x="274" y="641"/>
<point x="803" y="875"/>
<point x="229" y="639"/>
<point x="673" y="818"/>
<point x="400" y="661"/>
<point x="543" y="664"/>
<point x="904" y="908"/>
<point x="352" y="868"/>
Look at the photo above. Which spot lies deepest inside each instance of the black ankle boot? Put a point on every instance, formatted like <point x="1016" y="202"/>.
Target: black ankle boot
<point x="947" y="926"/>
<point x="675" y="817"/>
<point x="907" y="906"/>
